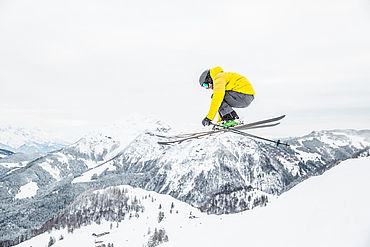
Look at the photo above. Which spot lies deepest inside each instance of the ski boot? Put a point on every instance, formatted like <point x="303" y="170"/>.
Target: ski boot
<point x="229" y="120"/>
<point x="227" y="124"/>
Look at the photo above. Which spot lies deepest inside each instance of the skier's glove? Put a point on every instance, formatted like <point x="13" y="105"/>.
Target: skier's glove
<point x="206" y="121"/>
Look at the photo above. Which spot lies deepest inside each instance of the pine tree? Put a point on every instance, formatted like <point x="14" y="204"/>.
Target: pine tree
<point x="160" y="216"/>
<point x="51" y="241"/>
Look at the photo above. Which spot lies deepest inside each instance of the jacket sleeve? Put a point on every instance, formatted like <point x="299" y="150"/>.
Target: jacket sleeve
<point x="218" y="94"/>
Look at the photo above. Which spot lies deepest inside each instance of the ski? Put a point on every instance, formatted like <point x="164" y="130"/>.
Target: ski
<point x="213" y="131"/>
<point x="258" y="123"/>
<point x="255" y="125"/>
<point x="224" y="130"/>
<point x="263" y="126"/>
<point x="242" y="127"/>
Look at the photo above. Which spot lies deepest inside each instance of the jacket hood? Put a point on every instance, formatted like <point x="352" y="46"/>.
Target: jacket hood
<point x="215" y="71"/>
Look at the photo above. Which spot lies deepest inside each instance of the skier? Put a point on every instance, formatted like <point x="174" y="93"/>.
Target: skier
<point x="229" y="90"/>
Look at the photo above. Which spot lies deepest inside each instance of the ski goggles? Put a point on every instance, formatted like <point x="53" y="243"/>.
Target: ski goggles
<point x="205" y="85"/>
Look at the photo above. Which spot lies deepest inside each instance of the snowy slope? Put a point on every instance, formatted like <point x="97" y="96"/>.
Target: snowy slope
<point x="327" y="210"/>
<point x="144" y="213"/>
<point x="16" y="161"/>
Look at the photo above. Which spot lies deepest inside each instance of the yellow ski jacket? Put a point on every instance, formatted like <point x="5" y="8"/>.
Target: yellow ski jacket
<point x="226" y="81"/>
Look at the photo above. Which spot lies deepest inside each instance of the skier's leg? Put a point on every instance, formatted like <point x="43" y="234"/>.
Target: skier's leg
<point x="238" y="100"/>
<point x="234" y="99"/>
<point x="224" y="109"/>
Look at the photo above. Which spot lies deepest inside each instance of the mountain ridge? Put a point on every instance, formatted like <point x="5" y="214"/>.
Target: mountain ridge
<point x="202" y="173"/>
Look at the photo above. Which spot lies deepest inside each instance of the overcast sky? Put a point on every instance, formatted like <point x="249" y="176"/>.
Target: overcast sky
<point x="73" y="66"/>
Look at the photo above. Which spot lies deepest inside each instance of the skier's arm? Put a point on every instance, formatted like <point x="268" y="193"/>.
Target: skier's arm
<point x="218" y="94"/>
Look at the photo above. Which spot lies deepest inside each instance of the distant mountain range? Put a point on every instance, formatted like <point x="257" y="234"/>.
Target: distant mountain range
<point x="21" y="140"/>
<point x="218" y="174"/>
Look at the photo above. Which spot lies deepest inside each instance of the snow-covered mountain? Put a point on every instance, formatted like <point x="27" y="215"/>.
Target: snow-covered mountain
<point x="218" y="174"/>
<point x="321" y="211"/>
<point x="141" y="215"/>
<point x="28" y="141"/>
<point x="14" y="161"/>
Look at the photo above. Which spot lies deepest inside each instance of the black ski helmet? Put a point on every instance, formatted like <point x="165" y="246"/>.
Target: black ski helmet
<point x="205" y="77"/>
